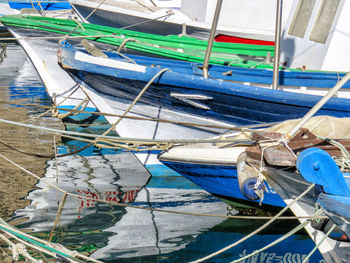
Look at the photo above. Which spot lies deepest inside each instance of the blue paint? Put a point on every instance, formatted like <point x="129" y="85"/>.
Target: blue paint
<point x="171" y="182"/>
<point x="160" y="170"/>
<point x="221" y="181"/>
<point x="317" y="166"/>
<point x="82" y="117"/>
<point x="248" y="188"/>
<point x="339" y="205"/>
<point x="45" y="4"/>
<point x="232" y="103"/>
<point x="322" y="79"/>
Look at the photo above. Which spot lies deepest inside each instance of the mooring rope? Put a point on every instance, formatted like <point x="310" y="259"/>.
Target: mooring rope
<point x="121" y="139"/>
<point x="139" y="95"/>
<point x="18" y="249"/>
<point x="306" y="259"/>
<point x="130" y="39"/>
<point x="41" y="245"/>
<point x="279" y="240"/>
<point x="190" y="124"/>
<point x="84" y="19"/>
<point x="150" y="20"/>
<point x="58" y="216"/>
<point x="273" y="219"/>
<point x="19" y="235"/>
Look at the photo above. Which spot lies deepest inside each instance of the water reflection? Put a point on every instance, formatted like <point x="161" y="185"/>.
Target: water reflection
<point x="106" y="177"/>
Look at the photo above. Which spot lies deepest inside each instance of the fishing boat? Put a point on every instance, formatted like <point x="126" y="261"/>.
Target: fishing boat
<point x="175" y="90"/>
<point x="184" y="48"/>
<point x="311" y="31"/>
<point x="220" y="167"/>
<point x="169" y="98"/>
<point x="191" y="18"/>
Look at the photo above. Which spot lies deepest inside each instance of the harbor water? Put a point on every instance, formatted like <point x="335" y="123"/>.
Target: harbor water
<point x="133" y="231"/>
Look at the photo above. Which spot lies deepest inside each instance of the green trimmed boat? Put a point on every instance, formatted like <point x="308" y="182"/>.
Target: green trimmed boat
<point x="172" y="46"/>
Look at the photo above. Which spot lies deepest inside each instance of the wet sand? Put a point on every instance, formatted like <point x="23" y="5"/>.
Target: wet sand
<point x="14" y="183"/>
<point x="19" y="83"/>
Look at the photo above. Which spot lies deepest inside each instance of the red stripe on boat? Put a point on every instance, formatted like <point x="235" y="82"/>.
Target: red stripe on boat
<point x="241" y="40"/>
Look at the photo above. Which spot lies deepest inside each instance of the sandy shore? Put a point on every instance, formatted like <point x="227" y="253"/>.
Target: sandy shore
<point x="14" y="183"/>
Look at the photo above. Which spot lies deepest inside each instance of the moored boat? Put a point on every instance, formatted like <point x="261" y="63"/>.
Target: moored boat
<point x="221" y="169"/>
<point x="172" y="46"/>
<point x="193" y="17"/>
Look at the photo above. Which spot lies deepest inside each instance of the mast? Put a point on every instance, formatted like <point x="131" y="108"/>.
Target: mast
<point x="211" y="38"/>
<point x="276" y="61"/>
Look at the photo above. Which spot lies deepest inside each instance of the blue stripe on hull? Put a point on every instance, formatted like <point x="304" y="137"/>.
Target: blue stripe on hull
<point x="221" y="181"/>
<point x="321" y="79"/>
<point x="232" y="103"/>
<point x="234" y="106"/>
<point x="171" y="182"/>
<point x="45" y="5"/>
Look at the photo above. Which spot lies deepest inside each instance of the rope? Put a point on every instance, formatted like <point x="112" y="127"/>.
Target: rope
<point x="337" y="144"/>
<point x="276" y="217"/>
<point x="144" y="5"/>
<point x="42" y="245"/>
<point x="55" y="111"/>
<point x="191" y="124"/>
<point x="138" y="97"/>
<point x="130" y="39"/>
<point x="258" y="229"/>
<point x="147" y="21"/>
<point x="55" y="155"/>
<point x="291" y="232"/>
<point x="119" y="139"/>
<point x="113" y="142"/>
<point x="33" y="243"/>
<point x="84" y="19"/>
<point x="318" y="244"/>
<point x="96" y="140"/>
<point x="55" y="152"/>
<point x="246" y="128"/>
<point x="57" y="219"/>
<point x="84" y="103"/>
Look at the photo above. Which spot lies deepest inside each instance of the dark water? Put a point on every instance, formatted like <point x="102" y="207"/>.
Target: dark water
<point x="115" y="233"/>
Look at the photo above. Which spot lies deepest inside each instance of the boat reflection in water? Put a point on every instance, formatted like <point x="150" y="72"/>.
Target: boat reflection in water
<point x="86" y="223"/>
<point x="114" y="232"/>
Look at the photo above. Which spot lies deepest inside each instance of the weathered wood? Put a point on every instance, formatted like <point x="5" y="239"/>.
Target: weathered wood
<point x="280" y="155"/>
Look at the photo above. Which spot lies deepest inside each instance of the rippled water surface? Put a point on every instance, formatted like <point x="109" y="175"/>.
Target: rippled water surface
<point x="115" y="233"/>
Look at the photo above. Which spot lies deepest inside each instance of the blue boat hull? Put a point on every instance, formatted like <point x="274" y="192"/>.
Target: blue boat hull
<point x="226" y="102"/>
<point x="222" y="182"/>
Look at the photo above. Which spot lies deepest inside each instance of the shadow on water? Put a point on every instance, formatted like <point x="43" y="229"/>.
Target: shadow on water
<point x="115" y="233"/>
